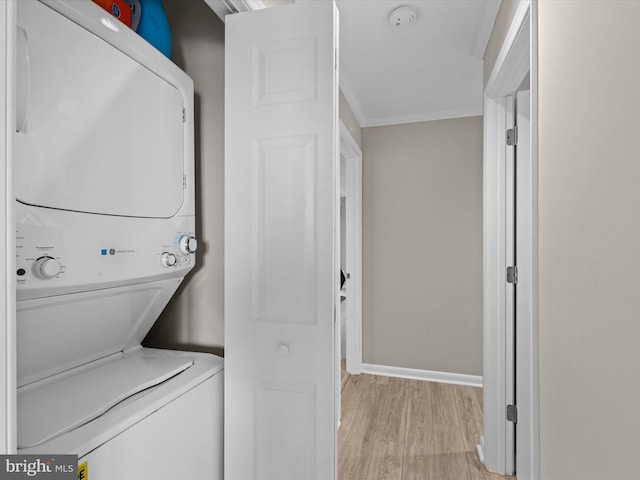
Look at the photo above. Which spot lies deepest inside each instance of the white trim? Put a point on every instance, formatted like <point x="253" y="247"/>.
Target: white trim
<point x="350" y="150"/>
<point x="480" y="450"/>
<point x="423" y="117"/>
<point x="528" y="429"/>
<point x="427" y="375"/>
<point x="513" y="58"/>
<point x="517" y="57"/>
<point x="526" y="306"/>
<point x="533" y="455"/>
<point x="7" y="239"/>
<point x="508" y="256"/>
<point x="247" y="5"/>
<point x="494" y="293"/>
<point x="365" y="121"/>
<point x="222" y="8"/>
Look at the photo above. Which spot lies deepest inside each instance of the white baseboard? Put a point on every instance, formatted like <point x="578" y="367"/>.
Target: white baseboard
<point x="480" y="448"/>
<point x="428" y="375"/>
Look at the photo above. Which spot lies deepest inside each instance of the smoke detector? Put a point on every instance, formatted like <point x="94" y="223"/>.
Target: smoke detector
<point x="403" y="17"/>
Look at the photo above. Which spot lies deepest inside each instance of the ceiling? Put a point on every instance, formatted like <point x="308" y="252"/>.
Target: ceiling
<point x="429" y="70"/>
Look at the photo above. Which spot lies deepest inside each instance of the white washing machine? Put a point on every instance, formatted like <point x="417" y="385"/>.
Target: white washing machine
<point x="105" y="220"/>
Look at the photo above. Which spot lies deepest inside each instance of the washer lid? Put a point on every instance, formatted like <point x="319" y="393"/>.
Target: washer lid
<point x="58" y="407"/>
<point x="98" y="131"/>
<point x="59" y="333"/>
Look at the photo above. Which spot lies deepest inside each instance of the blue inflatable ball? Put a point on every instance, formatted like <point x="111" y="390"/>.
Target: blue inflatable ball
<point x="154" y="25"/>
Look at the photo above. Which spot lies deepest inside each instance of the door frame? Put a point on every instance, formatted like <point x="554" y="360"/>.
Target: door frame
<point x="350" y="150"/>
<point x="517" y="57"/>
<point x="8" y="439"/>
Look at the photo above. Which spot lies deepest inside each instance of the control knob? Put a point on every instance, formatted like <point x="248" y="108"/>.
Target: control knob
<point x="168" y="259"/>
<point x="187" y="244"/>
<point x="47" y="267"/>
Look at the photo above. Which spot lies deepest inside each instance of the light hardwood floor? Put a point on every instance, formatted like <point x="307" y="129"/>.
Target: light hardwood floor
<point x="409" y="430"/>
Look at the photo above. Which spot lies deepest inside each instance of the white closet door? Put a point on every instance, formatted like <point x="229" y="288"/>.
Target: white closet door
<point x="281" y="267"/>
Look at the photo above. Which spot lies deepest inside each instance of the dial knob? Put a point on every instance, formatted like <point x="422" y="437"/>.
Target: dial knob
<point x="283" y="350"/>
<point x="187" y="244"/>
<point x="168" y="259"/>
<point x="47" y="267"/>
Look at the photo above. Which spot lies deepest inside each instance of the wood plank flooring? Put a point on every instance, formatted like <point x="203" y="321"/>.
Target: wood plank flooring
<point x="397" y="429"/>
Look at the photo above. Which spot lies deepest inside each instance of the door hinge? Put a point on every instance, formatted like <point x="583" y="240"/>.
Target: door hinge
<point x="512" y="413"/>
<point x="512" y="136"/>
<point x="184" y="115"/>
<point x="512" y="275"/>
<point x="184" y="181"/>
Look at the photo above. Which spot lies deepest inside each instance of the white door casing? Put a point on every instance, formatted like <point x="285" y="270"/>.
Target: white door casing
<point x="353" y="188"/>
<point x="510" y="289"/>
<point x="493" y="442"/>
<point x="281" y="263"/>
<point x="520" y="178"/>
<point x="8" y="438"/>
<point x="526" y="306"/>
<point x="517" y="58"/>
<point x="351" y="259"/>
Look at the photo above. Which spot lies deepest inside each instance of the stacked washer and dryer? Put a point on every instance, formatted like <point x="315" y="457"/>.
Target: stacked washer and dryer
<point x="105" y="220"/>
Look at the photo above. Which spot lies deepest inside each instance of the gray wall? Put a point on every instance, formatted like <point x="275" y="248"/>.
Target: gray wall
<point x="194" y="318"/>
<point x="422" y="245"/>
<point x="589" y="239"/>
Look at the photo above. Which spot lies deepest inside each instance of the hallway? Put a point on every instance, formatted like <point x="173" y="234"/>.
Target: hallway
<point x="409" y="430"/>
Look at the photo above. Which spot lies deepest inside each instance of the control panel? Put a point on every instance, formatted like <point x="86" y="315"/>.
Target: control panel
<point x="52" y="260"/>
<point x="180" y="252"/>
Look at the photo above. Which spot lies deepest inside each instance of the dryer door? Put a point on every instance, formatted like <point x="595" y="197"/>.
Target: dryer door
<point x="97" y="131"/>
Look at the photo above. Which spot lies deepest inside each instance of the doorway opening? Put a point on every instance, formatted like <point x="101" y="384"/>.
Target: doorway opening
<point x="350" y="225"/>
